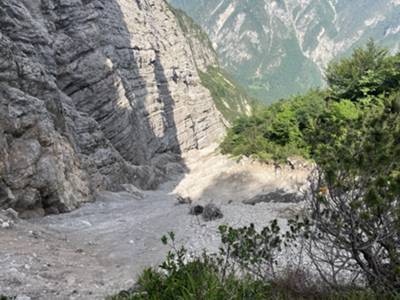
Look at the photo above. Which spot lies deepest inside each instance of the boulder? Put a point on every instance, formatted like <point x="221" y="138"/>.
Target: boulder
<point x="212" y="212"/>
<point x="278" y="196"/>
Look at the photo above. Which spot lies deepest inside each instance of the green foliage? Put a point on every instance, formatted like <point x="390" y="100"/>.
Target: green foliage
<point x="359" y="166"/>
<point x="189" y="26"/>
<point x="215" y="277"/>
<point x="230" y="99"/>
<point x="277" y="131"/>
<point x="368" y="72"/>
<point x="198" y="279"/>
<point x="357" y="85"/>
<point x="352" y="131"/>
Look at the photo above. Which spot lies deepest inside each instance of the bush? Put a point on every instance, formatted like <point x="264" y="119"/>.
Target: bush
<point x="351" y="230"/>
<point x="215" y="277"/>
<point x="368" y="72"/>
<point x="356" y="85"/>
<point x="198" y="279"/>
<point x="276" y="132"/>
<point x="355" y="198"/>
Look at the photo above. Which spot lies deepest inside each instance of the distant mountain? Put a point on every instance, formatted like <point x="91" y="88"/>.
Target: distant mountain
<point x="279" y="47"/>
<point x="229" y="97"/>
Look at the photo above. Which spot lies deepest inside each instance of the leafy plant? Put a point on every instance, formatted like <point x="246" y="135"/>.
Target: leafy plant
<point x="368" y="72"/>
<point x="355" y="200"/>
<point x="278" y="131"/>
<point x="356" y="85"/>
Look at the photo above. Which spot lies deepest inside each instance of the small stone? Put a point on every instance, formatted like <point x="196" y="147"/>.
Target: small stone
<point x="5" y="224"/>
<point x="23" y="297"/>
<point x="11" y="213"/>
<point x="87" y="223"/>
<point x="183" y="200"/>
<point x="34" y="234"/>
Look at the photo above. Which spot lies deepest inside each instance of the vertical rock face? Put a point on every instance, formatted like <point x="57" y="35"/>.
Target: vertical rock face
<point x="92" y="93"/>
<point x="203" y="51"/>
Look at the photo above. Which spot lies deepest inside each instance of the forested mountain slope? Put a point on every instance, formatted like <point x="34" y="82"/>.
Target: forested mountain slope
<point x="277" y="48"/>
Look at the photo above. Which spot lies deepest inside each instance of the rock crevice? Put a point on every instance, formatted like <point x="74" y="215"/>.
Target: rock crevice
<point x="91" y="92"/>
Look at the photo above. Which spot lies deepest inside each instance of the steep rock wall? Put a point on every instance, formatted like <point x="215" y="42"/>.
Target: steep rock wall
<point x="93" y="93"/>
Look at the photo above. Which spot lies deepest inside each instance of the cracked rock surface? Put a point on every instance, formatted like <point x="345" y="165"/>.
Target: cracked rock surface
<point x="94" y="94"/>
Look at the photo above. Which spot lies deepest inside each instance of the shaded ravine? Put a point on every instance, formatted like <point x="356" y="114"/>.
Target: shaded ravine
<point x="93" y="95"/>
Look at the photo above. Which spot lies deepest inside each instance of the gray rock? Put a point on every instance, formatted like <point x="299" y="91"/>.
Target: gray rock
<point x="8" y="218"/>
<point x="22" y="297"/>
<point x="133" y="190"/>
<point x="278" y="196"/>
<point x="297" y="163"/>
<point x="12" y="214"/>
<point x="184" y="200"/>
<point x="212" y="212"/>
<point x="89" y="100"/>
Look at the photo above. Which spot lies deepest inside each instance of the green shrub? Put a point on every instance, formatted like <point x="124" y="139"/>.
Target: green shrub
<point x="368" y="72"/>
<point x="215" y="277"/>
<point x="356" y="85"/>
<point x="230" y="99"/>
<point x="351" y="230"/>
<point x="278" y="131"/>
<point x="356" y="195"/>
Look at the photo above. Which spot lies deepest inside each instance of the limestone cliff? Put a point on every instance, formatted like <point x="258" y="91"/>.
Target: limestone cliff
<point x="94" y="94"/>
<point x="229" y="97"/>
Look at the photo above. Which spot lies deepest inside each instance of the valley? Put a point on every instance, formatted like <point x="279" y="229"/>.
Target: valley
<point x="280" y="48"/>
<point x="101" y="248"/>
<point x="139" y="160"/>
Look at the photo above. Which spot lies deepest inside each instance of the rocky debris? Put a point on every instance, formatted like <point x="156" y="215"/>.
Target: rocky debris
<point x="8" y="218"/>
<point x="184" y="200"/>
<point x="5" y="224"/>
<point x="100" y="248"/>
<point x="22" y="297"/>
<point x="209" y="212"/>
<point x="133" y="190"/>
<point x="277" y="196"/>
<point x="203" y="53"/>
<point x="88" y="101"/>
<point x="297" y="163"/>
<point x="170" y="164"/>
<point x="212" y="212"/>
<point x="10" y="213"/>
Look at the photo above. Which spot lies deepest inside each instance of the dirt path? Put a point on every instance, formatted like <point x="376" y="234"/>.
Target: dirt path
<point x="100" y="248"/>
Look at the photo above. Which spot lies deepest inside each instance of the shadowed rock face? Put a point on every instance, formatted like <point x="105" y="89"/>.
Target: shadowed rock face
<point x="92" y="93"/>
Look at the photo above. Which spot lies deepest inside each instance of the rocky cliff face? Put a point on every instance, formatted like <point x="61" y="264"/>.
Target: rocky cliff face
<point x="203" y="51"/>
<point x="230" y="98"/>
<point x="94" y="94"/>
<point x="277" y="48"/>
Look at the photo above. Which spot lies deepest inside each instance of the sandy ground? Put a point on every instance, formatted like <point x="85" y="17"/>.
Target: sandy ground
<point x="100" y="248"/>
